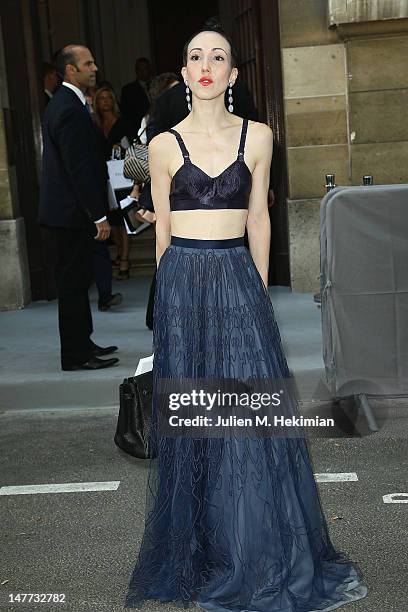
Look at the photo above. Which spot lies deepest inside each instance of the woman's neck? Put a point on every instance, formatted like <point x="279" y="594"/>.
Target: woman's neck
<point x="108" y="119"/>
<point x="107" y="116"/>
<point x="208" y="116"/>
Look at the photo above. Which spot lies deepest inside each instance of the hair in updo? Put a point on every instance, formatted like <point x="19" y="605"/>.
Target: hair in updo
<point x="212" y="25"/>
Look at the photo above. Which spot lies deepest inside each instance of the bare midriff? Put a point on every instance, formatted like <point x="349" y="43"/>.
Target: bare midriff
<point x="214" y="224"/>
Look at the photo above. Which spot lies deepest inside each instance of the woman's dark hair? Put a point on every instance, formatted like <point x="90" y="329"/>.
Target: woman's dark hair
<point x="213" y="25"/>
<point x="159" y="85"/>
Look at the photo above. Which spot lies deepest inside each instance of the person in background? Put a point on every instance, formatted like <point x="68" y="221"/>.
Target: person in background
<point x="90" y="95"/>
<point x="116" y="127"/>
<point x="91" y="92"/>
<point x="160" y="84"/>
<point x="51" y="81"/>
<point x="73" y="205"/>
<point x="118" y="133"/>
<point x="102" y="265"/>
<point x="135" y="96"/>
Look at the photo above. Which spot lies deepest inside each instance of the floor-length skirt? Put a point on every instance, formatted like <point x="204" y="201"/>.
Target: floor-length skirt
<point x="232" y="522"/>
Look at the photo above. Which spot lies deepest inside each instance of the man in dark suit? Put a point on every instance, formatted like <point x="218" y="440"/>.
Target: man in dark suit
<point x="73" y="205"/>
<point x="134" y="98"/>
<point x="51" y="81"/>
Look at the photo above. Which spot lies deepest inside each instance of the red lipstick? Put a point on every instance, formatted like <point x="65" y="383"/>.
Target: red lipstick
<point x="205" y="81"/>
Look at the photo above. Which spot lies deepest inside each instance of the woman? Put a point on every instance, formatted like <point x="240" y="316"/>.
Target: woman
<point x="160" y="83"/>
<point x="233" y="522"/>
<point x="118" y="134"/>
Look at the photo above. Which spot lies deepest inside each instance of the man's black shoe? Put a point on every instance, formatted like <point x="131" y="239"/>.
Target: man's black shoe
<point x="93" y="363"/>
<point x="100" y="351"/>
<point x="114" y="300"/>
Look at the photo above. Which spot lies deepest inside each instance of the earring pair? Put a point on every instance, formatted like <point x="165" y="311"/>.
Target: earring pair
<point x="230" y="98"/>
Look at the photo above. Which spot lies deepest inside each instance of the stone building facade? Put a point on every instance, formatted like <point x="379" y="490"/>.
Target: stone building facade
<point x="346" y="98"/>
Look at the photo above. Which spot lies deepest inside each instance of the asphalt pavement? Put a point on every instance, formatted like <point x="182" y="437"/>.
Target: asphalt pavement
<point x="83" y="543"/>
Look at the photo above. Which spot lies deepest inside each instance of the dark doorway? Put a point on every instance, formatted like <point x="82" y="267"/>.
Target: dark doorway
<point x="268" y="15"/>
<point x="254" y="26"/>
<point x="171" y="25"/>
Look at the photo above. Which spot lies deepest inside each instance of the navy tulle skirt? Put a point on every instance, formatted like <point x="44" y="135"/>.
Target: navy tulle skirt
<point x="232" y="523"/>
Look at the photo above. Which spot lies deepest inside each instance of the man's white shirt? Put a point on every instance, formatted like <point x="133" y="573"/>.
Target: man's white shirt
<point x="76" y="90"/>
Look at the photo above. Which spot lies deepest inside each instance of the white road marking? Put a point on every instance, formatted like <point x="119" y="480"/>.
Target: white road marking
<point x="68" y="487"/>
<point x="342" y="477"/>
<point x="82" y="487"/>
<point x="390" y="499"/>
<point x="113" y="485"/>
<point x="81" y="410"/>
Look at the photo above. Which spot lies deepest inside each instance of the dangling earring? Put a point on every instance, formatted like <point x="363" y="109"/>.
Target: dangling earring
<point x="230" y="99"/>
<point x="188" y="96"/>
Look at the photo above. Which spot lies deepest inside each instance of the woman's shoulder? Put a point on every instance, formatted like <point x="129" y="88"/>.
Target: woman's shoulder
<point x="161" y="147"/>
<point x="164" y="139"/>
<point x="261" y="130"/>
<point x="259" y="140"/>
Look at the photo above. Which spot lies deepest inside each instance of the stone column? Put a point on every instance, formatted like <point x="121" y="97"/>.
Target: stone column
<point x="14" y="272"/>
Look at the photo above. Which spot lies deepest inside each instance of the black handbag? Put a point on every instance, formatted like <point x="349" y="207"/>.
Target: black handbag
<point x="135" y="396"/>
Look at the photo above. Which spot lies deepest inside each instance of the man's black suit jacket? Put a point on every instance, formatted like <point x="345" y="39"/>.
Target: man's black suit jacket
<point x="171" y="107"/>
<point x="74" y="175"/>
<point x="134" y="103"/>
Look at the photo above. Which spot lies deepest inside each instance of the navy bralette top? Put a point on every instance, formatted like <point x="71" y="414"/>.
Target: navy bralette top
<point x="192" y="188"/>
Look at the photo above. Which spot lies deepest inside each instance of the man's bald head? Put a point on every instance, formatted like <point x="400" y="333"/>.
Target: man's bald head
<point x="76" y="65"/>
<point x="67" y="55"/>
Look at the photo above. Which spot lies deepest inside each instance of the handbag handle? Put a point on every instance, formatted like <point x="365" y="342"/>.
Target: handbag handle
<point x="136" y="139"/>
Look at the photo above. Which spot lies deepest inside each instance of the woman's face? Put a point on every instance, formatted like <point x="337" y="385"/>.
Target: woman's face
<point x="104" y="102"/>
<point x="208" y="70"/>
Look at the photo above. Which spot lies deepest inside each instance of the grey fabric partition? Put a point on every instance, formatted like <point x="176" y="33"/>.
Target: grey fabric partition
<point x="364" y="289"/>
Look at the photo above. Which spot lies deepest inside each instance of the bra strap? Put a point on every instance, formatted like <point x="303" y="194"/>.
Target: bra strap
<point x="183" y="147"/>
<point x="241" y="149"/>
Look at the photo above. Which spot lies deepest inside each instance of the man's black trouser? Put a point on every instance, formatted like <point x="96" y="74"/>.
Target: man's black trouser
<point x="73" y="275"/>
<point x="102" y="270"/>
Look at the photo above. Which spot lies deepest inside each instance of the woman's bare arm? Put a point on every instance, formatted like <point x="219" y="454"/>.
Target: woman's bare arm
<point x="258" y="223"/>
<point x="161" y="182"/>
